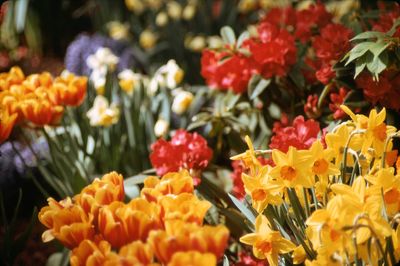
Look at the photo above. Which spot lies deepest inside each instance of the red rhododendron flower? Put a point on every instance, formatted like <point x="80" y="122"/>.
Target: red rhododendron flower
<point x="275" y="51"/>
<point x="281" y="16"/>
<point x="325" y="74"/>
<point x="386" y="90"/>
<point x="388" y="15"/>
<point x="233" y="73"/>
<point x="311" y="107"/>
<point x="300" y="135"/>
<point x="332" y="43"/>
<point x="315" y="16"/>
<point x="184" y="151"/>
<point x="246" y="259"/>
<point x="337" y="99"/>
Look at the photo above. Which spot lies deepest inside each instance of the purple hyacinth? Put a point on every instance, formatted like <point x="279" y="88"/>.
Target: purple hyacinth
<point x="85" y="45"/>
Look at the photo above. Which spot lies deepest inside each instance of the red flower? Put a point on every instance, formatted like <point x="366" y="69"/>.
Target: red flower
<point x="386" y="90"/>
<point x="332" y="43"/>
<point x="246" y="259"/>
<point x="233" y="73"/>
<point x="315" y="16"/>
<point x="281" y="16"/>
<point x="300" y="135"/>
<point x="388" y="16"/>
<point x="311" y="107"/>
<point x="275" y="51"/>
<point x="325" y="74"/>
<point x="337" y="99"/>
<point x="184" y="151"/>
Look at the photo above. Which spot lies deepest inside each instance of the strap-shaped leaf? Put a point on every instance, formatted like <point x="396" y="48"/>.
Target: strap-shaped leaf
<point x="228" y="35"/>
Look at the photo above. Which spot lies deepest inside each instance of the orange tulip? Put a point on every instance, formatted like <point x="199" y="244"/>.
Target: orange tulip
<point x="171" y="183"/>
<point x="121" y="224"/>
<point x="180" y="236"/>
<point x="135" y="253"/>
<point x="90" y="253"/>
<point x="101" y="192"/>
<point x="70" y="91"/>
<point x="186" y="207"/>
<point x="41" y="111"/>
<point x="67" y="222"/>
<point x="193" y="258"/>
<point x="7" y="122"/>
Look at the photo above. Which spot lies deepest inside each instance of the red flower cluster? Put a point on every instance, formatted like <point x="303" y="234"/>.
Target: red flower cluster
<point x="301" y="22"/>
<point x="246" y="259"/>
<point x="272" y="53"/>
<point x="388" y="15"/>
<point x="183" y="151"/>
<point x="311" y="107"/>
<point x="386" y="90"/>
<point x="233" y="73"/>
<point x="300" y="135"/>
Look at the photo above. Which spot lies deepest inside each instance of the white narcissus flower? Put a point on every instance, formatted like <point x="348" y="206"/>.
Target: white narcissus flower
<point x="161" y="127"/>
<point x="174" y="74"/>
<point x="189" y="11"/>
<point x="157" y="81"/>
<point x="102" y="58"/>
<point x="129" y="80"/>
<point x="181" y="102"/>
<point x="174" y="10"/>
<point x="215" y="42"/>
<point x="102" y="114"/>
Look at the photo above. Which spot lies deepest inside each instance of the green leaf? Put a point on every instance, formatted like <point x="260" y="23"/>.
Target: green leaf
<point x="274" y="111"/>
<point x="394" y="27"/>
<point x="378" y="64"/>
<point x="378" y="48"/>
<point x="255" y="91"/>
<point x="135" y="180"/>
<point x="20" y="12"/>
<point x="245" y="211"/>
<point x="368" y="35"/>
<point x="228" y="35"/>
<point x="358" y="51"/>
<point x="362" y="62"/>
<point x="226" y="261"/>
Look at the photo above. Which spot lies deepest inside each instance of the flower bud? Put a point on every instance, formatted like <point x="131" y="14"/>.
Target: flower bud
<point x="162" y="19"/>
<point x="174" y="10"/>
<point x="161" y="127"/>
<point x="181" y="102"/>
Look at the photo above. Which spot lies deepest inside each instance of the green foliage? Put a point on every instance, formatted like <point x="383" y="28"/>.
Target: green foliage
<point x="375" y="51"/>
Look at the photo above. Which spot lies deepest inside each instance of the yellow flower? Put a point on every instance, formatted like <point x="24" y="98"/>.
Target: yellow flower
<point x="121" y="223"/>
<point x="174" y="10"/>
<point x="193" y="258"/>
<point x="189" y="11"/>
<point x="299" y="255"/>
<point x="170" y="184"/>
<point x="90" y="253"/>
<point x="118" y="30"/>
<point x="162" y="19"/>
<point x="135" y="253"/>
<point x="293" y="168"/>
<point x="249" y="158"/>
<point x="376" y="130"/>
<point x="396" y="242"/>
<point x="129" y="80"/>
<point x="245" y="6"/>
<point x="147" y="39"/>
<point x="102" y="114"/>
<point x="262" y="190"/>
<point x="136" y="6"/>
<point x="180" y="236"/>
<point x="186" y="207"/>
<point x="323" y="166"/>
<point x="385" y="180"/>
<point x="67" y="222"/>
<point x="338" y="140"/>
<point x="267" y="244"/>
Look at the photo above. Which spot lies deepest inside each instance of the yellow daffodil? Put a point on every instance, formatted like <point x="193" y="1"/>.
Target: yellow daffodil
<point x="293" y="168"/>
<point x="129" y="80"/>
<point x="267" y="244"/>
<point x="147" y="39"/>
<point x="323" y="166"/>
<point x="384" y="181"/>
<point x="375" y="128"/>
<point x="262" y="190"/>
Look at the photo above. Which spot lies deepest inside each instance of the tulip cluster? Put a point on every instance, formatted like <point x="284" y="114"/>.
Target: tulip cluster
<point x="37" y="98"/>
<point x="164" y="225"/>
<point x="335" y="202"/>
